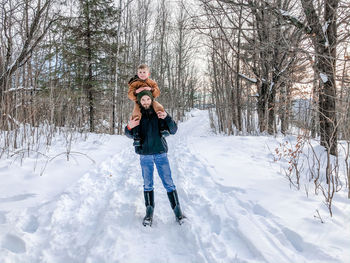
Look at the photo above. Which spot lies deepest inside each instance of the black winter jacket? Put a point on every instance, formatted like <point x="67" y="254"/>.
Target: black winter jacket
<point x="151" y="140"/>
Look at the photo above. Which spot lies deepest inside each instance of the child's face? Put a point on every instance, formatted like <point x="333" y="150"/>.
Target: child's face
<point x="143" y="73"/>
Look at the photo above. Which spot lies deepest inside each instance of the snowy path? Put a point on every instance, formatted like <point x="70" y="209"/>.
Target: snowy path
<point x="229" y="226"/>
<point x="98" y="217"/>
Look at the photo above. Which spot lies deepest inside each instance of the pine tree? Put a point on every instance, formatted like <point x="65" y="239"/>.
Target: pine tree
<point x="87" y="49"/>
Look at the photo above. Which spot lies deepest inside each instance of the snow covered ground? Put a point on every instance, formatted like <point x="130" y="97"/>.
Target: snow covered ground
<point x="240" y="207"/>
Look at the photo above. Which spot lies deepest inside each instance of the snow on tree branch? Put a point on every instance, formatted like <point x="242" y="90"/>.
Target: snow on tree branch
<point x="247" y="78"/>
<point x="324" y="77"/>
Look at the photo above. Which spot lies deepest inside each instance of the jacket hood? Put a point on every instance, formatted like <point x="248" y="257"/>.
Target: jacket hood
<point x="133" y="79"/>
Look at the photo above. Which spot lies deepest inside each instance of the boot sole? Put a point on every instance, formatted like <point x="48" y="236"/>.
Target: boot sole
<point x="181" y="220"/>
<point x="147" y="223"/>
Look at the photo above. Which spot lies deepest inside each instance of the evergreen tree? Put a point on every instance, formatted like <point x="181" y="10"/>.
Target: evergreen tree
<point x="87" y="49"/>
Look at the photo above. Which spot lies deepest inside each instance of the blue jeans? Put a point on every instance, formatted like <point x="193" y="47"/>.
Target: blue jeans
<point x="163" y="168"/>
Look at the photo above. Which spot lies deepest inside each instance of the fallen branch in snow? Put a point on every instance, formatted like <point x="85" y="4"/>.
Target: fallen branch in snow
<point x="67" y="154"/>
<point x="26" y="150"/>
<point x="318" y="216"/>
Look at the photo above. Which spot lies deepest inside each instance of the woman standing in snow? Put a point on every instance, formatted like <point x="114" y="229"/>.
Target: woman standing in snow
<point x="153" y="150"/>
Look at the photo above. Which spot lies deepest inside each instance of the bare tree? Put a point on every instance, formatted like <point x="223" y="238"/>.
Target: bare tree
<point x="37" y="21"/>
<point x="323" y="34"/>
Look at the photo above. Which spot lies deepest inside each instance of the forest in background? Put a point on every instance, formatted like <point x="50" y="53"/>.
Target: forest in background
<point x="260" y="67"/>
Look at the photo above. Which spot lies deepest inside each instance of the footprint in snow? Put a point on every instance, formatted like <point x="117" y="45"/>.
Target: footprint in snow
<point x="2" y="217"/>
<point x="16" y="198"/>
<point x="13" y="244"/>
<point x="30" y="225"/>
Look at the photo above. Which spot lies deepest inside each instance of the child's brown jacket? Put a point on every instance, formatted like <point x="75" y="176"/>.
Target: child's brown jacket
<point x="136" y="83"/>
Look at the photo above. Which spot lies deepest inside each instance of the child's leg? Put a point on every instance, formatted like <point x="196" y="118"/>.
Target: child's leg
<point x="163" y="128"/>
<point x="136" y="115"/>
<point x="157" y="106"/>
<point x="136" y="112"/>
<point x="137" y="138"/>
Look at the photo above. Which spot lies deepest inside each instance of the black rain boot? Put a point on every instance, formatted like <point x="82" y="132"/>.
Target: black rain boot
<point x="175" y="205"/>
<point x="149" y="203"/>
<point x="137" y="139"/>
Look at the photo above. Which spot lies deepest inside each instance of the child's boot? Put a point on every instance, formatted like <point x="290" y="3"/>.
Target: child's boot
<point x="137" y="138"/>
